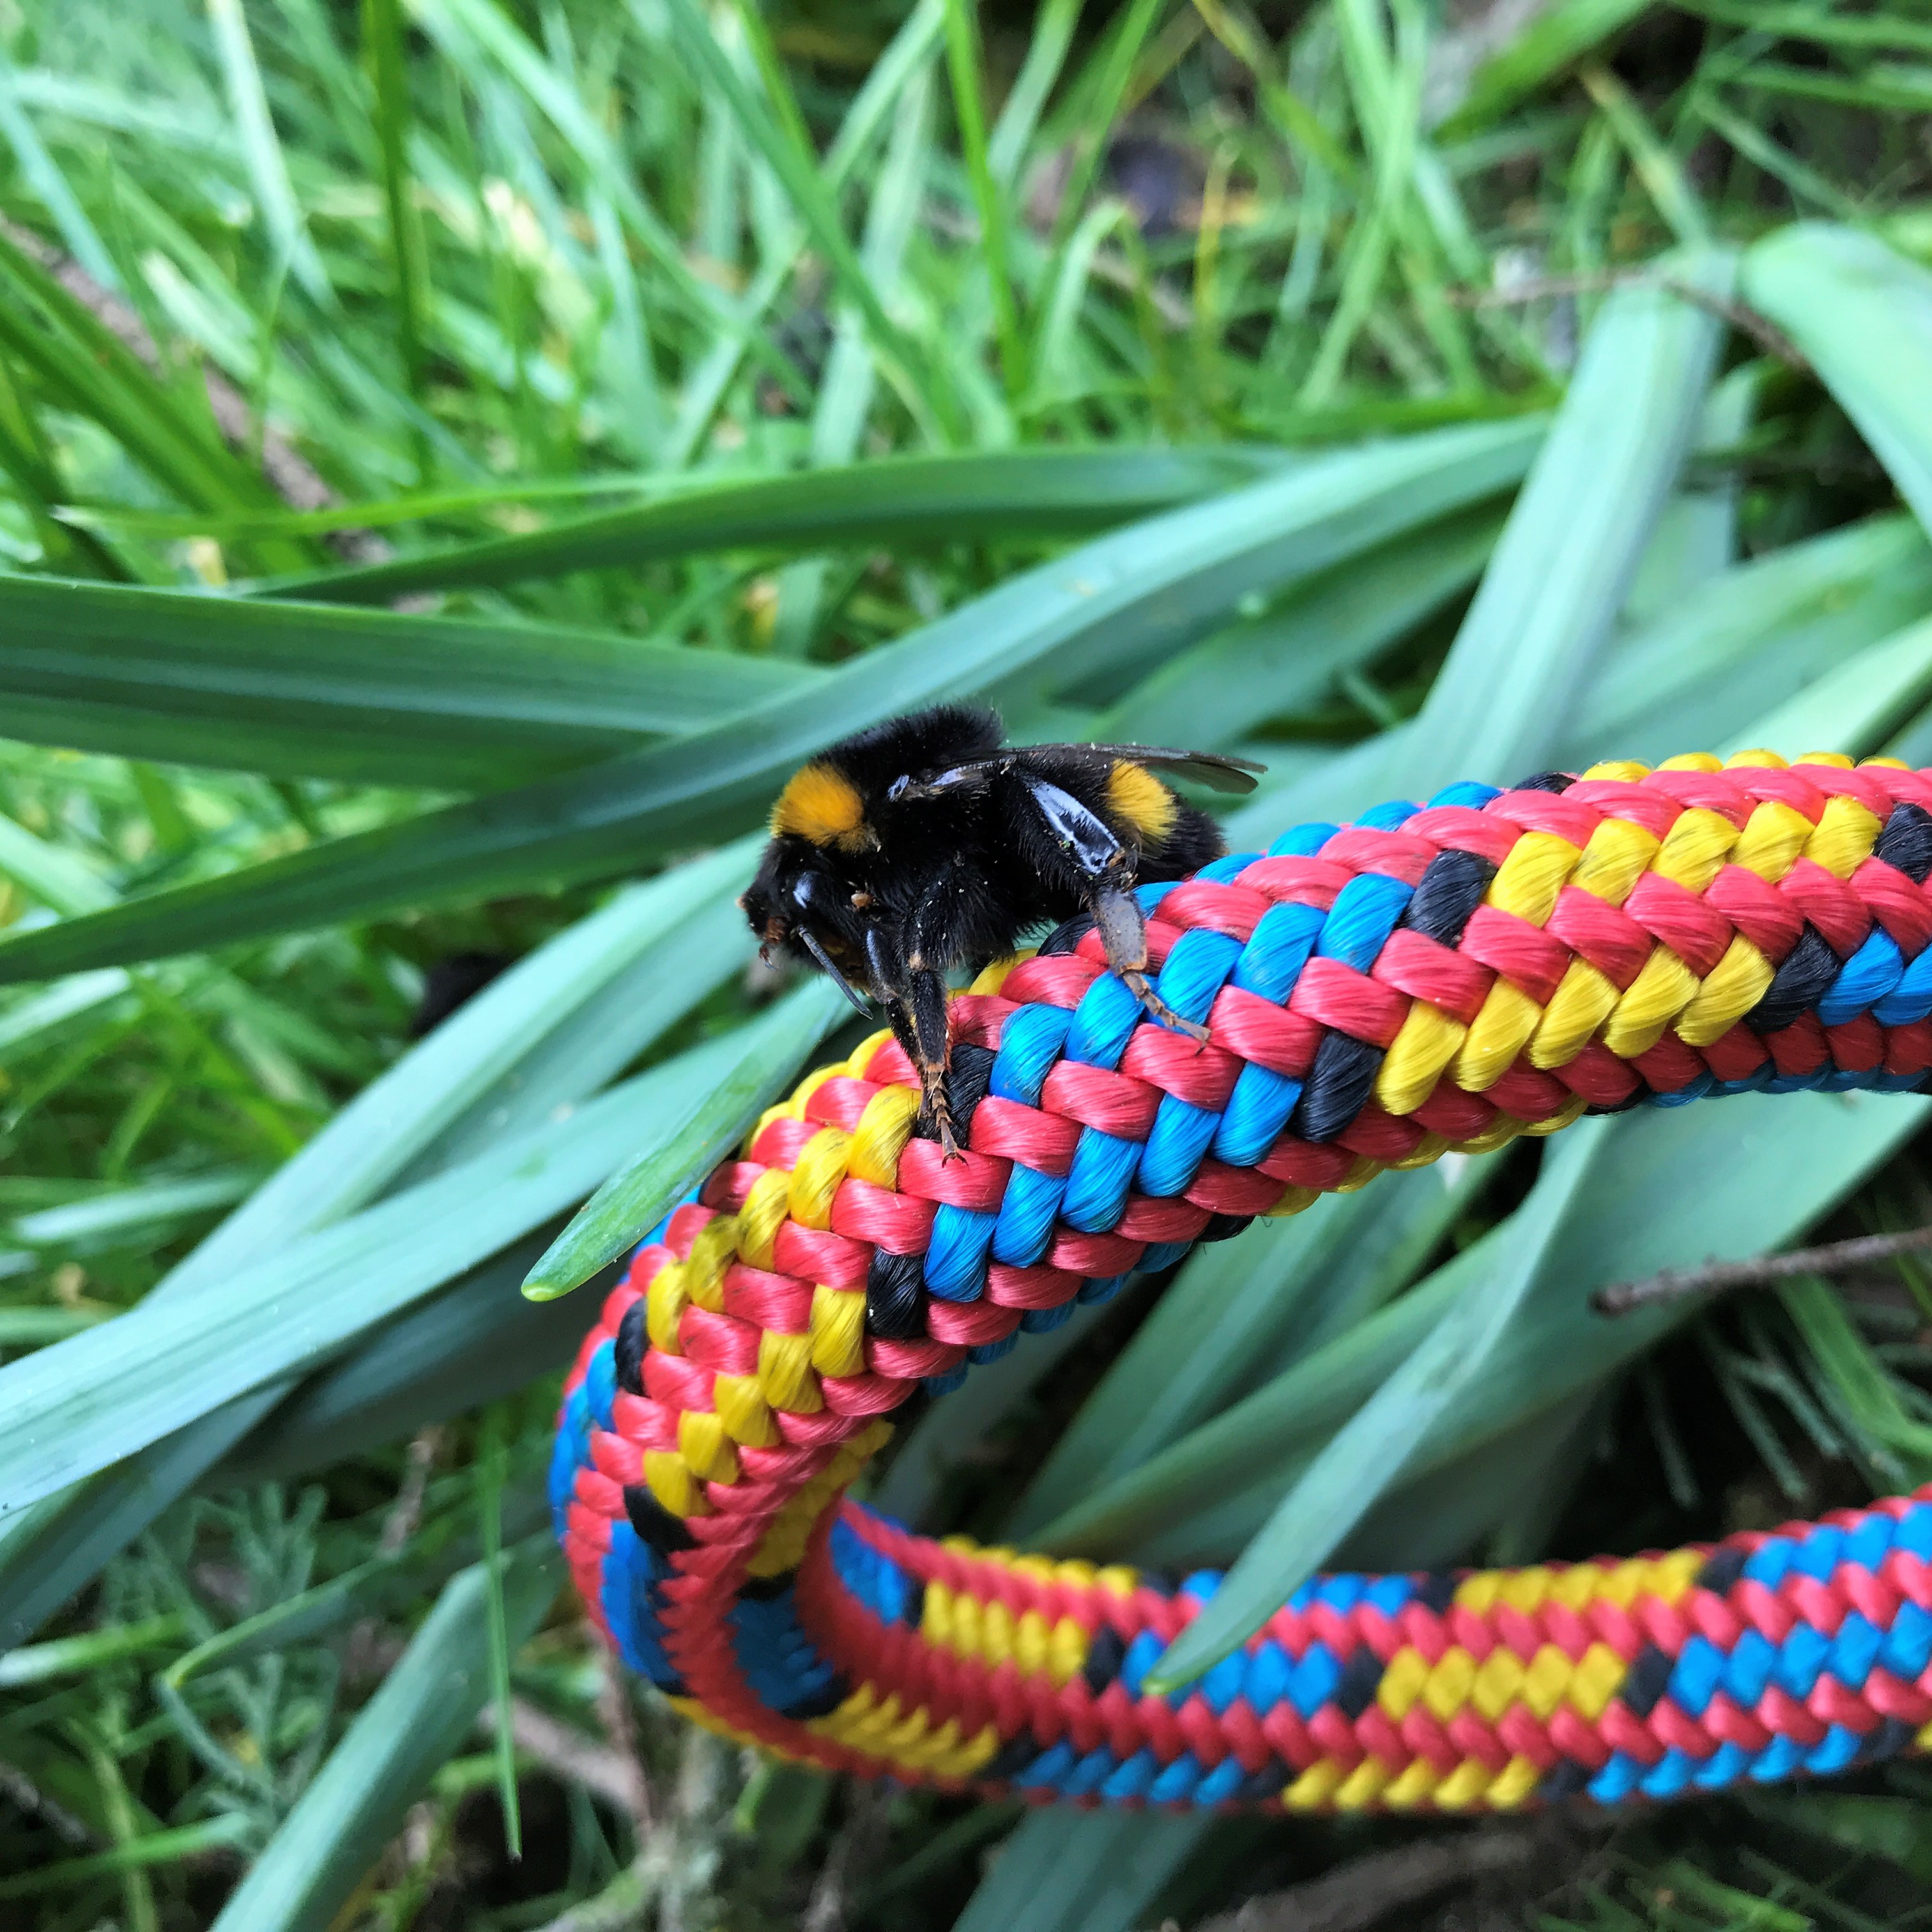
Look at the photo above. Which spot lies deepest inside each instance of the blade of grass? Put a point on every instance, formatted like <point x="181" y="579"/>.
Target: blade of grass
<point x="320" y="690"/>
<point x="471" y="1080"/>
<point x="714" y="1117"/>
<point x="846" y="391"/>
<point x="1286" y="659"/>
<point x="475" y="1341"/>
<point x="42" y="174"/>
<point x="489" y="1509"/>
<point x="1862" y="314"/>
<point x="1367" y="1456"/>
<point x="1552" y="42"/>
<point x="963" y="60"/>
<point x="794" y="167"/>
<point x="1564" y="564"/>
<point x="1094" y="1871"/>
<point x="1019" y="115"/>
<point x="255" y="127"/>
<point x="896" y="502"/>
<point x="383" y="50"/>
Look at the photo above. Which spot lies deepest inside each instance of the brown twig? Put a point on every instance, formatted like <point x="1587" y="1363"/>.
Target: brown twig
<point x="856" y="1848"/>
<point x="1621" y="1297"/>
<point x="289" y="474"/>
<point x="620" y="1731"/>
<point x="1760" y="329"/>
<point x="406" y="1511"/>
<point x="1354" y="1896"/>
<point x="564" y="1751"/>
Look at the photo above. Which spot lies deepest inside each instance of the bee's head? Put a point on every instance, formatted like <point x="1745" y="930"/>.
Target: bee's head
<point x="798" y="904"/>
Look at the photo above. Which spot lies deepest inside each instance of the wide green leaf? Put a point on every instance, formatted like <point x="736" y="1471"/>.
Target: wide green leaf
<point x="370" y="697"/>
<point x="1285" y="659"/>
<point x="1863" y="314"/>
<point x="476" y="1340"/>
<point x="1093" y="1871"/>
<point x="551" y="1030"/>
<point x="1765" y="1168"/>
<point x="1550" y="598"/>
<point x="894" y="503"/>
<point x="1120" y="600"/>
<point x="688" y="1141"/>
<point x="1368" y="1454"/>
<point x="1750" y="641"/>
<point x="1240" y="1312"/>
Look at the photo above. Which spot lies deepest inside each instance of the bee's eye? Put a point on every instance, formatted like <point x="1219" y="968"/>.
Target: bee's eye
<point x="896" y="789"/>
<point x="803" y="889"/>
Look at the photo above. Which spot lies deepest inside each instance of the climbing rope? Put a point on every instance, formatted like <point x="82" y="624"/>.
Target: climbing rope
<point x="1431" y="979"/>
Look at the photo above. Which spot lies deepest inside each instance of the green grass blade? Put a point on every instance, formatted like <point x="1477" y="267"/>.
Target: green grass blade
<point x="42" y="174"/>
<point x="421" y="1714"/>
<point x="1113" y="603"/>
<point x="1068" y="1871"/>
<point x="521" y="1048"/>
<point x="475" y="1342"/>
<point x="765" y="1054"/>
<point x="963" y="59"/>
<point x="1554" y="40"/>
<point x="1233" y="1314"/>
<point x="255" y="127"/>
<point x="1863" y="315"/>
<point x="317" y="690"/>
<point x="490" y="1509"/>
<point x="897" y="501"/>
<point x="1019" y="116"/>
<point x="1750" y="639"/>
<point x="1285" y="659"/>
<point x="1367" y="1455"/>
<point x="1566" y="559"/>
<point x="382" y="49"/>
<point x="1868" y="696"/>
<point x="794" y="166"/>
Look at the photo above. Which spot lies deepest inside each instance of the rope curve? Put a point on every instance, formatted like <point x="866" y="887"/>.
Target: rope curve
<point x="1448" y="977"/>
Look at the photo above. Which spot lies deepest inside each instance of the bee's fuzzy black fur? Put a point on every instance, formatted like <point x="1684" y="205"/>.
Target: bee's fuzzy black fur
<point x="919" y="845"/>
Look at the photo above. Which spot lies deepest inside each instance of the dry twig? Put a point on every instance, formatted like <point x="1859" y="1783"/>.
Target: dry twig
<point x="1355" y="1896"/>
<point x="854" y="1850"/>
<point x="1760" y="329"/>
<point x="1621" y="1297"/>
<point x="562" y="1749"/>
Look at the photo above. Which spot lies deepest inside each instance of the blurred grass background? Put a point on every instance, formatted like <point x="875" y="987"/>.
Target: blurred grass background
<point x="455" y="456"/>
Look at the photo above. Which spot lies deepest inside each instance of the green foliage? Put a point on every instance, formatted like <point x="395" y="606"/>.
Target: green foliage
<point x="457" y="457"/>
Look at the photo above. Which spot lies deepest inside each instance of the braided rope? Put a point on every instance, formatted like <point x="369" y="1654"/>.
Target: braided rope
<point x="1445" y="977"/>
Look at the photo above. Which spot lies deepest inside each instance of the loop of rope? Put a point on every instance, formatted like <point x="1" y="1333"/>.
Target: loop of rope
<point x="1428" y="979"/>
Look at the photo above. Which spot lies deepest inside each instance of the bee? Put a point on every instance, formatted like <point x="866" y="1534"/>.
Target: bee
<point x="925" y="843"/>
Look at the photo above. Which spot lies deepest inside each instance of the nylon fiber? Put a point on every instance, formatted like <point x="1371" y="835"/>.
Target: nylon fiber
<point x="1432" y="978"/>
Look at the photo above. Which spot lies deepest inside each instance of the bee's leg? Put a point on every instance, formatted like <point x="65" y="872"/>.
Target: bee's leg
<point x="931" y="1049"/>
<point x="1122" y="926"/>
<point x="915" y="1001"/>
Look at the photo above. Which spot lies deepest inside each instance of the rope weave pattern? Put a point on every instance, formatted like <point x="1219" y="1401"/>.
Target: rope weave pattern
<point x="1449" y="977"/>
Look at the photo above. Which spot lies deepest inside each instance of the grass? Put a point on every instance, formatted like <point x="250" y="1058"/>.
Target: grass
<point x="456" y="457"/>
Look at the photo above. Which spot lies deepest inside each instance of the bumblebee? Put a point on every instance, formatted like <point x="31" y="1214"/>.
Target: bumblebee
<point x="925" y="843"/>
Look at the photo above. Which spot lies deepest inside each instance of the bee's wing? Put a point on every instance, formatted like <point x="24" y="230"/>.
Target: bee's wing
<point x="1206" y="768"/>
